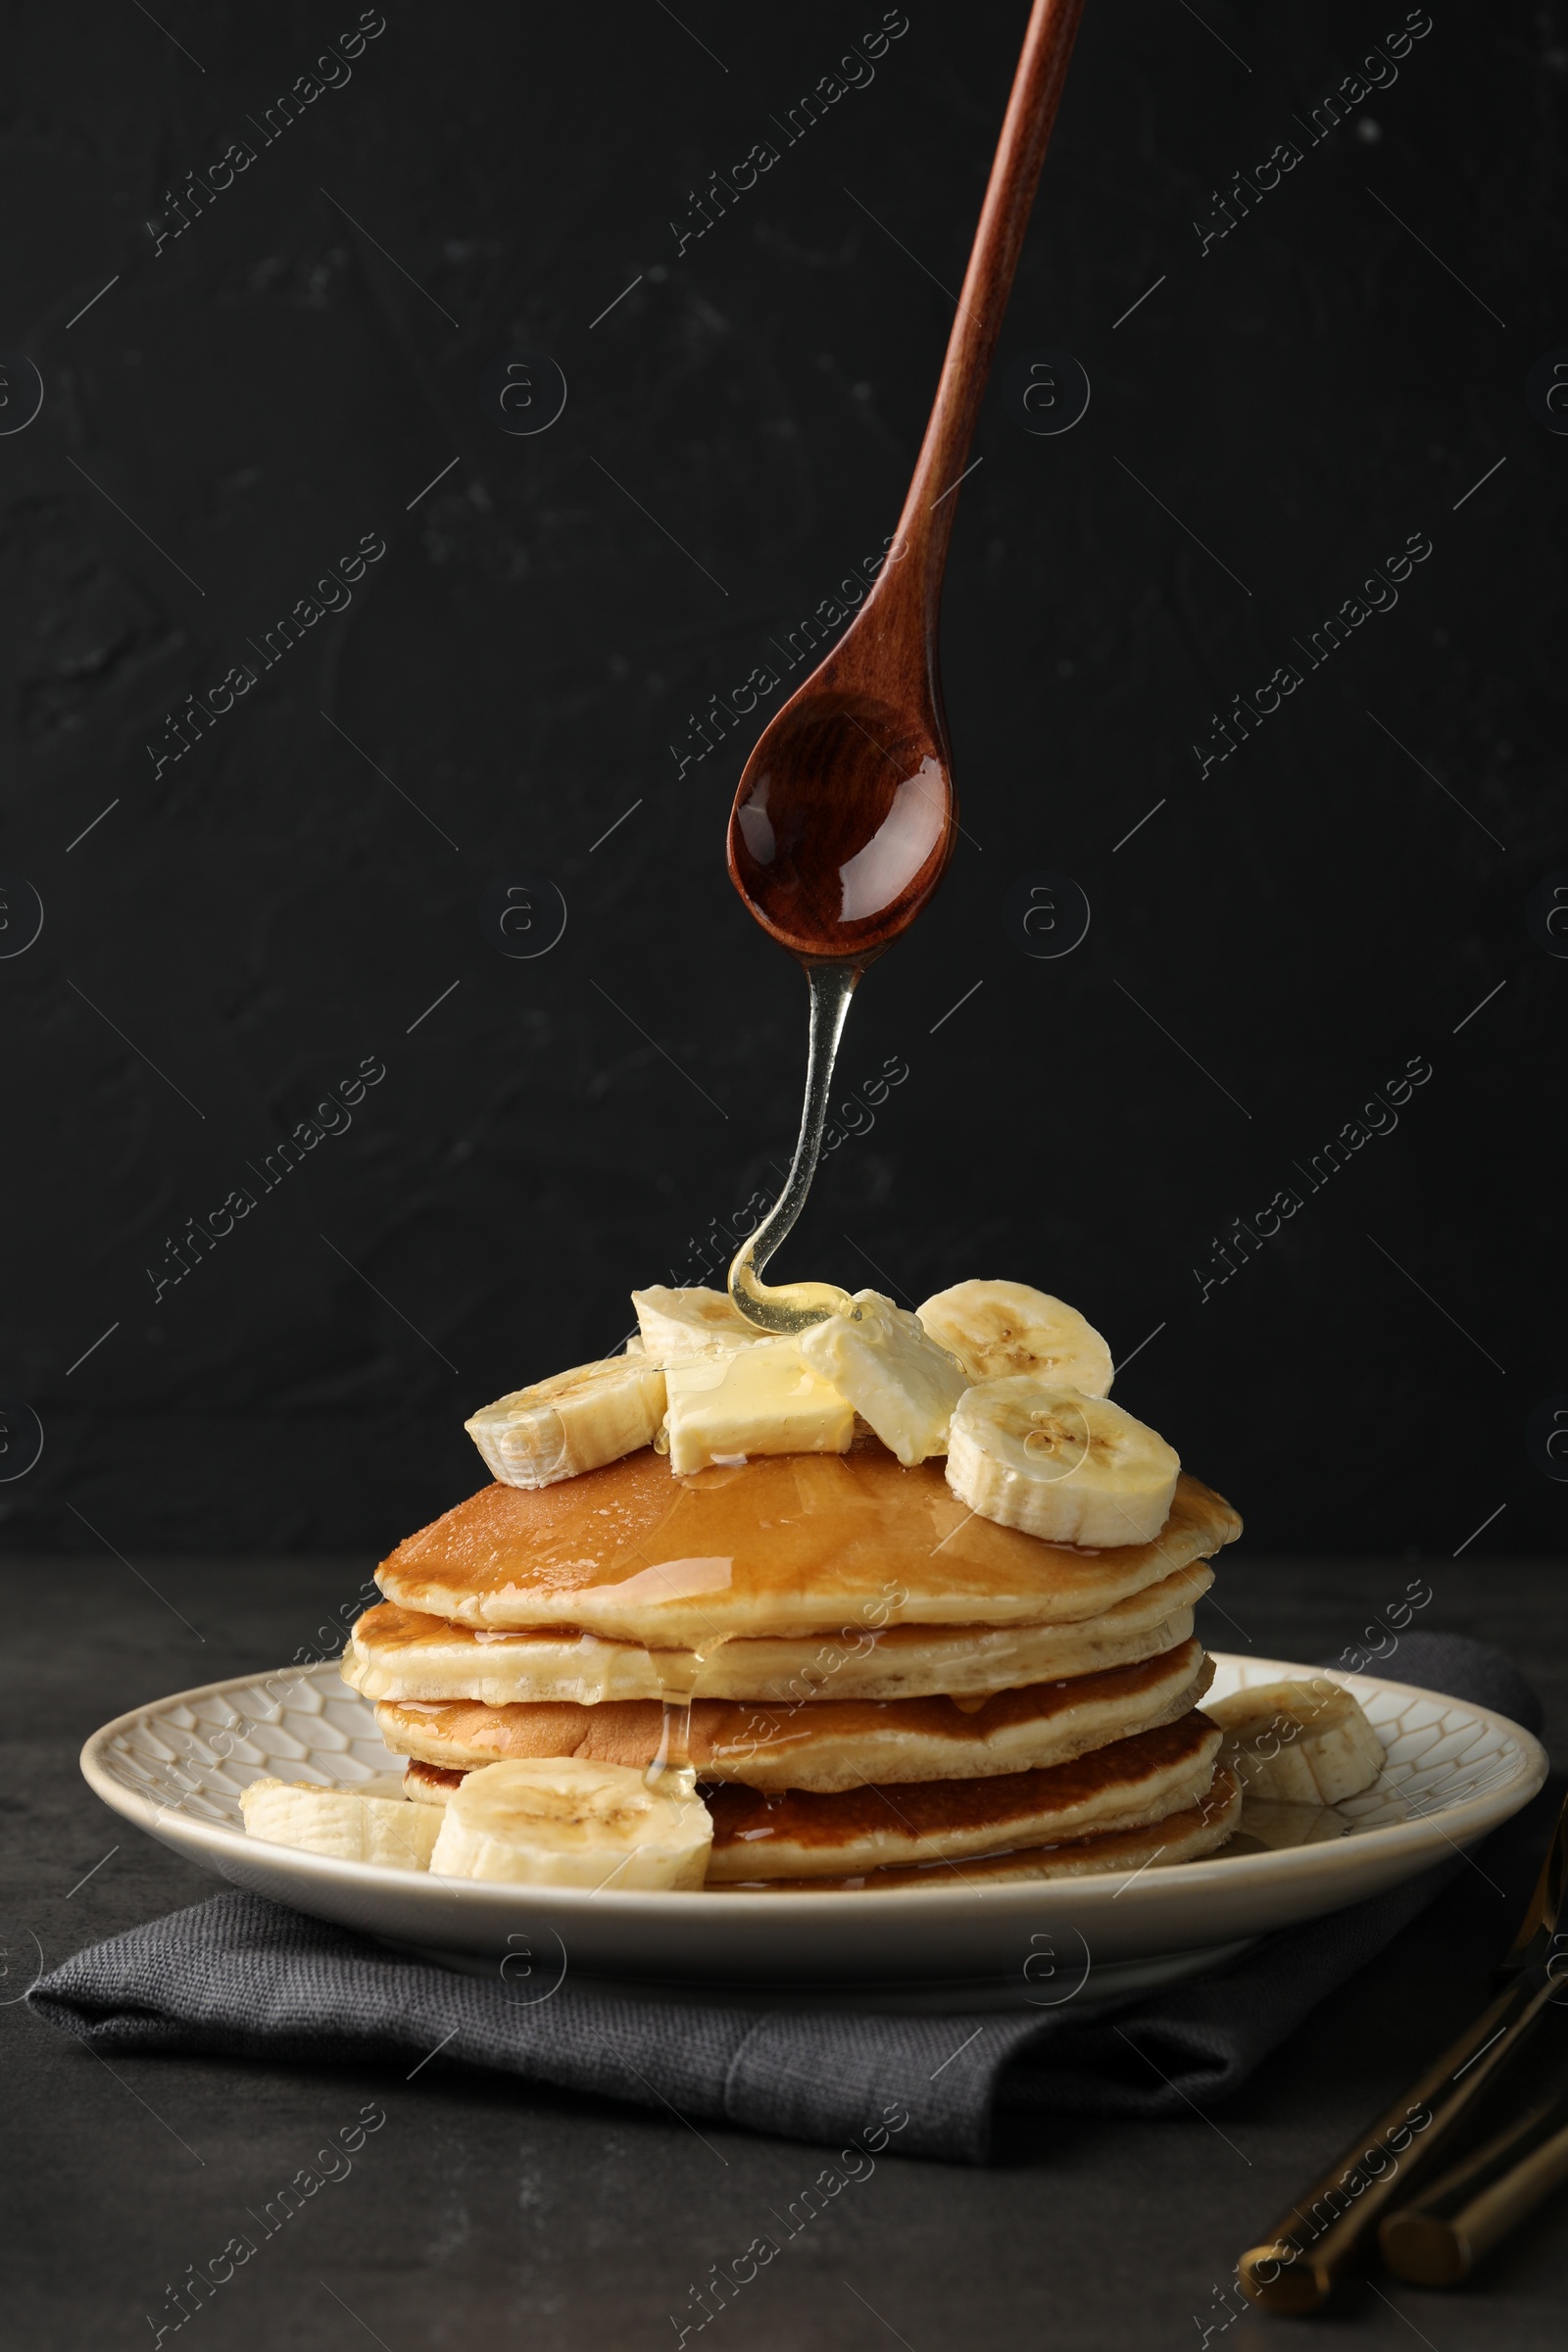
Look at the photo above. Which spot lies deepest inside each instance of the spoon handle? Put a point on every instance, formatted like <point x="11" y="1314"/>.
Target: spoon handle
<point x="926" y="522"/>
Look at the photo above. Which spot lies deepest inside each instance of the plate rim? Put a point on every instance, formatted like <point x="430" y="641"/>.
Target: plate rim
<point x="1463" y="1822"/>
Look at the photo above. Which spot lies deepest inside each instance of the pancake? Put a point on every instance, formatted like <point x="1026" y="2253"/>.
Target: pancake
<point x="802" y="1835"/>
<point x="1178" y="1837"/>
<point x="399" y="1653"/>
<point x="796" y="1834"/>
<point x="790" y="1544"/>
<point x="428" y="1784"/>
<point x="825" y="1745"/>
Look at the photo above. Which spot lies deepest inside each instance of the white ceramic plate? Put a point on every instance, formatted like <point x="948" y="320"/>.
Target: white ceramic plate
<point x="1453" y="1772"/>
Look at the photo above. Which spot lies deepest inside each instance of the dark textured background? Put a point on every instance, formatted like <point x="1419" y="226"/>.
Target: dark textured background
<point x="270" y="386"/>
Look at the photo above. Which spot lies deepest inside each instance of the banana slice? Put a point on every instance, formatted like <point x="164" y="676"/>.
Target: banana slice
<point x="1056" y="1463"/>
<point x="1000" y="1330"/>
<point x="551" y="1821"/>
<point x="572" y="1422"/>
<point x="898" y="1379"/>
<point x="1301" y="1743"/>
<point x="340" y="1822"/>
<point x="725" y="1407"/>
<point x="1281" y="1826"/>
<point x="677" y="1323"/>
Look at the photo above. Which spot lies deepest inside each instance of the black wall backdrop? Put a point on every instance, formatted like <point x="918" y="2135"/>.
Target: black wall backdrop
<point x="1324" y="914"/>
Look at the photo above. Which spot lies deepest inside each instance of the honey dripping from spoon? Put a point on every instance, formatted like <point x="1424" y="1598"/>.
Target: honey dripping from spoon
<point x="796" y="1305"/>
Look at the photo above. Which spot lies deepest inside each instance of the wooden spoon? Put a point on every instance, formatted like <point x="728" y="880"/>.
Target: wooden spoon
<point x="845" y="816"/>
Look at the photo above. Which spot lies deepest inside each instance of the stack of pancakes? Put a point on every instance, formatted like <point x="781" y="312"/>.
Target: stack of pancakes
<point x="886" y="1689"/>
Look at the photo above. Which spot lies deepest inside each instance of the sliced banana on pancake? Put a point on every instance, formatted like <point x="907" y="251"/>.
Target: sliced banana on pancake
<point x="900" y="1383"/>
<point x="555" y="1821"/>
<point x="1059" y="1464"/>
<point x="1306" y="1743"/>
<point x="676" y="1323"/>
<point x="572" y="1422"/>
<point x="340" y="1822"/>
<point x="1000" y="1330"/>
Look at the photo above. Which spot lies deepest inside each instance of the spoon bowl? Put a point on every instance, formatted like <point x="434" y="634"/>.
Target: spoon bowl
<point x="844" y="821"/>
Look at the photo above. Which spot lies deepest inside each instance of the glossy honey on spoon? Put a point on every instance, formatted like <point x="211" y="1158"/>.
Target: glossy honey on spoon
<point x="845" y="816"/>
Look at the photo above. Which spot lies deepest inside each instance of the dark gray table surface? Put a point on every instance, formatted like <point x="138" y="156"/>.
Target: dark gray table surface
<point x="488" y="2211"/>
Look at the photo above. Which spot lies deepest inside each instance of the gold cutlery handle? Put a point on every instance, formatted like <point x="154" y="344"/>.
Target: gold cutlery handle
<point x="1439" y="2239"/>
<point x="1317" y="2241"/>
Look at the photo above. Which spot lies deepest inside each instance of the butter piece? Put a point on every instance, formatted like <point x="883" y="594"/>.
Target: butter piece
<point x="762" y="1400"/>
<point x="895" y="1376"/>
<point x="676" y="1323"/>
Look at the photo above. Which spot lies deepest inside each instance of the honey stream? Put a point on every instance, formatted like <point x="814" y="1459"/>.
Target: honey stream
<point x="796" y="1305"/>
<point x="784" y="1309"/>
<point x="673" y="1772"/>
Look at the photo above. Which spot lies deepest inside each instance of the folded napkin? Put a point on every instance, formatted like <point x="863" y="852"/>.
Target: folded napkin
<point x="246" y="1978"/>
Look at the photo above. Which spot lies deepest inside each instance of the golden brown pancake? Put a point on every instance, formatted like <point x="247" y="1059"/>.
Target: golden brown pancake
<point x="1177" y="1838"/>
<point x="790" y="1544"/>
<point x="428" y="1784"/>
<point x="823" y="1745"/>
<point x="399" y="1654"/>
<point x="796" y="1834"/>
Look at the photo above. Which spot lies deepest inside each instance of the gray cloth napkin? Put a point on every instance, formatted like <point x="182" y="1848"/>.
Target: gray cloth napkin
<point x="245" y="1977"/>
